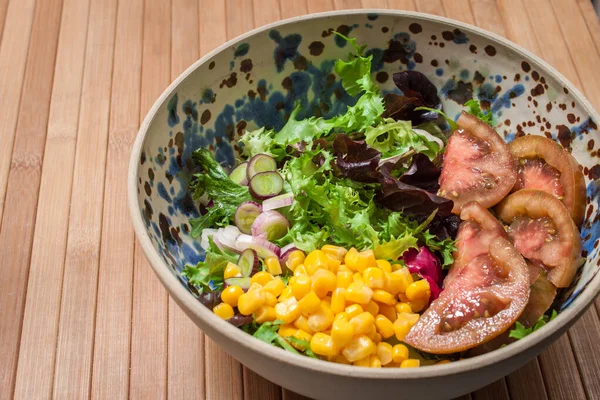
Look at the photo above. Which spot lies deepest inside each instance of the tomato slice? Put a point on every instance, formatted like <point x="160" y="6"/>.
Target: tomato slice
<point x="543" y="232"/>
<point x="541" y="295"/>
<point x="545" y="165"/>
<point x="477" y="165"/>
<point x="475" y="234"/>
<point x="483" y="301"/>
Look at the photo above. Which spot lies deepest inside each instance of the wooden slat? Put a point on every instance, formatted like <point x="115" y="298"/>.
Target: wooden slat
<point x="110" y="379"/>
<point x="212" y="24"/>
<point x="560" y="371"/>
<point x="186" y="340"/>
<point x="315" y="6"/>
<point x="13" y="56"/>
<point x="3" y="8"/>
<point x="287" y="395"/>
<point x="149" y="342"/>
<point x="292" y="9"/>
<point x="267" y="11"/>
<point x="374" y="4"/>
<point x="257" y="387"/>
<point x="517" y="24"/>
<point x="585" y="338"/>
<point x="346" y="4"/>
<point x="493" y="391"/>
<point x="592" y="20"/>
<point x="78" y="304"/>
<point x="240" y="17"/>
<point x="487" y="16"/>
<point x="35" y="373"/>
<point x="459" y="10"/>
<point x="18" y="221"/>
<point x="407" y="5"/>
<point x="527" y="383"/>
<point x="223" y="374"/>
<point x="434" y="7"/>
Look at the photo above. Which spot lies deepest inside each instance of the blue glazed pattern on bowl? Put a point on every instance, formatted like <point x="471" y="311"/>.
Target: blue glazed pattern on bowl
<point x="258" y="81"/>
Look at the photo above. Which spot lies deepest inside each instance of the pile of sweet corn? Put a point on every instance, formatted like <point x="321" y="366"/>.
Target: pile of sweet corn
<point x="347" y="304"/>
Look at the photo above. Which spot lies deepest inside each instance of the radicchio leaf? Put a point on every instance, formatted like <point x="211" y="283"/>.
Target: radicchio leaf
<point x="356" y="160"/>
<point x="427" y="266"/>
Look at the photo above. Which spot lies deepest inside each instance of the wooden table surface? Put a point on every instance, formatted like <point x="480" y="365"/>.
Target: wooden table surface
<point x="81" y="313"/>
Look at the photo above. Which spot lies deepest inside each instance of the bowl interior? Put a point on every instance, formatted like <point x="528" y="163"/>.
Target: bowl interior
<point x="257" y="80"/>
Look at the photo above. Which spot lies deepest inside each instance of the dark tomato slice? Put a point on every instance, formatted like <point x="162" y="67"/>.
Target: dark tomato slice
<point x="545" y="165"/>
<point x="483" y="301"/>
<point x="543" y="232"/>
<point x="475" y="234"/>
<point x="541" y="295"/>
<point x="477" y="165"/>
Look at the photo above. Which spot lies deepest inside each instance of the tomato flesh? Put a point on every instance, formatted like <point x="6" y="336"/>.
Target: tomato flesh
<point x="543" y="232"/>
<point x="545" y="165"/>
<point x="477" y="165"/>
<point x="482" y="301"/>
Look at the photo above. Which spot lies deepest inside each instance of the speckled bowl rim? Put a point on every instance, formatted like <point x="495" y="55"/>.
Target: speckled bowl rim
<point x="192" y="306"/>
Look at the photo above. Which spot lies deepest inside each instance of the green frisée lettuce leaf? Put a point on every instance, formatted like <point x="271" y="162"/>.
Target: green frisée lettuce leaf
<point x="474" y="108"/>
<point x="394" y="138"/>
<point x="216" y="184"/>
<point x="208" y="274"/>
<point x="519" y="332"/>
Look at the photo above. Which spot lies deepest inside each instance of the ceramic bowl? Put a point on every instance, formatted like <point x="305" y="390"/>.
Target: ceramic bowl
<point x="255" y="79"/>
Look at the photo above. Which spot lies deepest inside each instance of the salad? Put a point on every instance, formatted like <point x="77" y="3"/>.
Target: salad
<point x="390" y="235"/>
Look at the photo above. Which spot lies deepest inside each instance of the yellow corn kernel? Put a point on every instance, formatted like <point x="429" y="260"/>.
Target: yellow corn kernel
<point x="323" y="282"/>
<point x="255" y="286"/>
<point x="394" y="283"/>
<point x="231" y="271"/>
<point x="341" y="332"/>
<point x="315" y="260"/>
<point x="275" y="286"/>
<point x="372" y="333"/>
<point x="385" y="327"/>
<point x="359" y="347"/>
<point x="353" y="310"/>
<point x="399" y="353"/>
<point x="443" y="362"/>
<point x="351" y="259"/>
<point x="224" y="311"/>
<point x="410" y="363"/>
<point x="334" y="251"/>
<point x="300" y="270"/>
<point x="357" y="277"/>
<point x="302" y="323"/>
<point x="358" y="292"/>
<point x="251" y="301"/>
<point x="377" y="338"/>
<point x="265" y="314"/>
<point x="363" y="362"/>
<point x="270" y="299"/>
<point x="403" y="308"/>
<point x="418" y="305"/>
<point x="340" y="359"/>
<point x="418" y="290"/>
<point x="366" y="259"/>
<point x="388" y="311"/>
<point x="333" y="264"/>
<point x="309" y="303"/>
<point x="288" y="310"/>
<point x="372" y="308"/>
<point x="321" y="319"/>
<point x="273" y="265"/>
<point x="403" y="323"/>
<point x="287" y="330"/>
<point x="261" y="277"/>
<point x="295" y="259"/>
<point x="343" y="315"/>
<point x="301" y="286"/>
<point x="374" y="277"/>
<point x="338" y="300"/>
<point x="231" y="295"/>
<point x="303" y="335"/>
<point x="362" y="323"/>
<point x="384" y="353"/>
<point x="374" y="361"/>
<point x="285" y="293"/>
<point x="323" y="345"/>
<point x="402" y="297"/>
<point x="392" y="365"/>
<point x="344" y="278"/>
<point x="384" y="265"/>
<point x="406" y="278"/>
<point x="396" y="267"/>
<point x="383" y="297"/>
<point x="326" y="301"/>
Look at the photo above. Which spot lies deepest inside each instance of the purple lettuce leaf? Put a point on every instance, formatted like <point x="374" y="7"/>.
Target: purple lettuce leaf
<point x="356" y="160"/>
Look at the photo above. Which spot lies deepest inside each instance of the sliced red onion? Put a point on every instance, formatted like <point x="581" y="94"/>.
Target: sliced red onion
<point x="204" y="200"/>
<point x="206" y="233"/>
<point x="218" y="243"/>
<point x="248" y="262"/>
<point x="286" y="251"/>
<point x="239" y="175"/>
<point x="271" y="224"/>
<point x="265" y="185"/>
<point x="283" y="200"/>
<point x="262" y="246"/>
<point x="227" y="237"/>
<point x="260" y="163"/>
<point x="245" y="215"/>
<point x="243" y="282"/>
